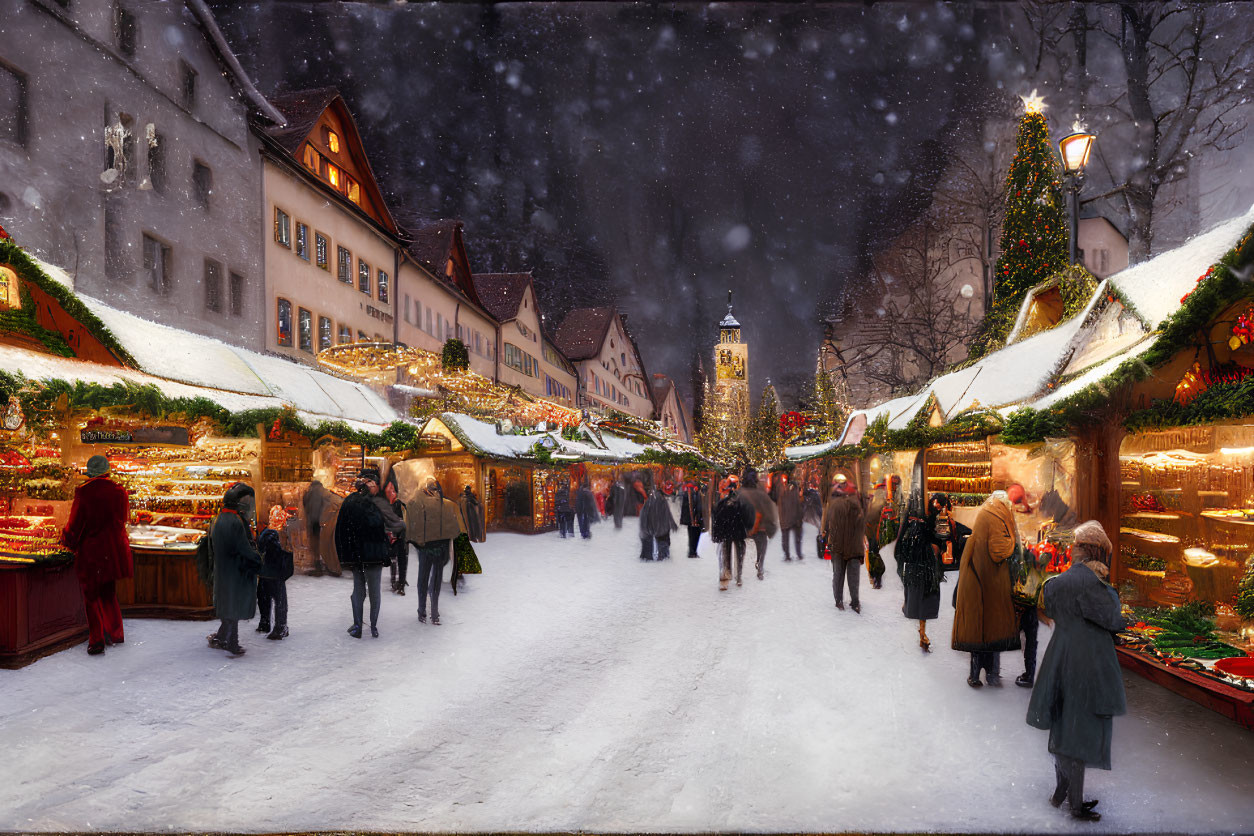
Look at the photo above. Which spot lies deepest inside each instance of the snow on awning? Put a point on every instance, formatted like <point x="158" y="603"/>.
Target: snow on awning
<point x="1154" y="287"/>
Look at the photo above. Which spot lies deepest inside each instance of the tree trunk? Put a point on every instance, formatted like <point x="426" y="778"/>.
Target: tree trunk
<point x="1137" y="27"/>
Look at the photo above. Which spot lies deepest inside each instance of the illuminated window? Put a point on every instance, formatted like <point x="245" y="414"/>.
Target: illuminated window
<point x="363" y="277"/>
<point x="333" y="140"/>
<point x="324" y="333"/>
<point x="333" y="175"/>
<point x="312" y="158"/>
<point x="282" y="228"/>
<point x="352" y="189"/>
<point x="345" y="336"/>
<point x="321" y="251"/>
<point x="383" y="286"/>
<point x="302" y="240"/>
<point x="283" y="323"/>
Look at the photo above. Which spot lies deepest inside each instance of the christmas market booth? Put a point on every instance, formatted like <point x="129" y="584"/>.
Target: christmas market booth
<point x="179" y="417"/>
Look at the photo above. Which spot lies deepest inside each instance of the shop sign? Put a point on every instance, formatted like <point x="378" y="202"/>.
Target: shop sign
<point x="378" y="314"/>
<point x="173" y="436"/>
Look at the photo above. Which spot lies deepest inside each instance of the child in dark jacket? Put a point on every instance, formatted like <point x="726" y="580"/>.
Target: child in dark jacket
<point x="272" y="580"/>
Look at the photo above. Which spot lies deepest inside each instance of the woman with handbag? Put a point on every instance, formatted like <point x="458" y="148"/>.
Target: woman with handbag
<point x="276" y="568"/>
<point x="919" y="564"/>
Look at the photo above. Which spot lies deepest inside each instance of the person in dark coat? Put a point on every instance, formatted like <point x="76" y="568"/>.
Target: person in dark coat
<point x="692" y="514"/>
<point x="586" y="510"/>
<point x="656" y="525"/>
<point x="765" y="520"/>
<point x="732" y="519"/>
<point x="393" y="510"/>
<point x="918" y="565"/>
<point x="616" y="504"/>
<point x="236" y="563"/>
<point x="272" y="579"/>
<point x="984" y="614"/>
<point x="844" y="535"/>
<point x="472" y="513"/>
<point x="362" y="545"/>
<point x="563" y="511"/>
<point x="1080" y="686"/>
<point x="314" y="502"/>
<point x="788" y="501"/>
<point x="431" y="524"/>
<point x="96" y="533"/>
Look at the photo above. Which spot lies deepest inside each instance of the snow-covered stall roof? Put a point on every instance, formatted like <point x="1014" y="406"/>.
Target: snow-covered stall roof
<point x="1155" y="287"/>
<point x="481" y="438"/>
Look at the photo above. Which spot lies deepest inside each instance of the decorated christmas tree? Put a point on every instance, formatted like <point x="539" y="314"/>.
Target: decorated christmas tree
<point x="724" y="426"/>
<point x="763" y="441"/>
<point x="1034" y="230"/>
<point x="831" y="405"/>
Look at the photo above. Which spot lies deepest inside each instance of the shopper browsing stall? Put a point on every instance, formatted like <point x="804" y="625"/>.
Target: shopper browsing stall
<point x="984" y="616"/>
<point x="235" y="566"/>
<point x="96" y="533"/>
<point x="431" y="523"/>
<point x="361" y="542"/>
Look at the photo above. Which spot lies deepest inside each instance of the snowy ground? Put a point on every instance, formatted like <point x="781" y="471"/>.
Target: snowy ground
<point x="573" y="688"/>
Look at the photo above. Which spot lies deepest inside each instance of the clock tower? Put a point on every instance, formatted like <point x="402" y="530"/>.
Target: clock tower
<point x="731" y="360"/>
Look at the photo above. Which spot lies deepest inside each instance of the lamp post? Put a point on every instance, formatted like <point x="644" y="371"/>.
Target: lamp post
<point x="1075" y="148"/>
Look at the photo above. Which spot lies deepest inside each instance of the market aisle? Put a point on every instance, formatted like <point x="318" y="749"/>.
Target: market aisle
<point x="573" y="687"/>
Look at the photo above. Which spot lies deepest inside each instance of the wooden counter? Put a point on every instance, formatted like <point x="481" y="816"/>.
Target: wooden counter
<point x="41" y="612"/>
<point x="1231" y="702"/>
<point x="165" y="586"/>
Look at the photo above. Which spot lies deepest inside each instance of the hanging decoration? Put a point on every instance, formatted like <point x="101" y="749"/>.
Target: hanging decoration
<point x="1197" y="380"/>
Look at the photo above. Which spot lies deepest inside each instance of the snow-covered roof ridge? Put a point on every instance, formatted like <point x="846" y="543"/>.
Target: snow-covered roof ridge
<point x="1154" y="287"/>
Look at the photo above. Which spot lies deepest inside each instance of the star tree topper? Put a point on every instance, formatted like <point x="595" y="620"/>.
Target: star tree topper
<point x="1033" y="103"/>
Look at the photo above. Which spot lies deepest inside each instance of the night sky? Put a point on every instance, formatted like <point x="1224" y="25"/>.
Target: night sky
<point x="654" y="157"/>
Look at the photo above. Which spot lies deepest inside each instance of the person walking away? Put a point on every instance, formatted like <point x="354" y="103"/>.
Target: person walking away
<point x="431" y="524"/>
<point x="276" y="568"/>
<point x="617" y="502"/>
<point x="361" y="542"/>
<point x="96" y="533"/>
<point x="730" y="525"/>
<point x="656" y="525"/>
<point x="1080" y="687"/>
<point x="918" y="564"/>
<point x="236" y="563"/>
<point x="586" y="510"/>
<point x="393" y="511"/>
<point x="1026" y="596"/>
<point x="984" y="616"/>
<point x="314" y="502"/>
<point x="843" y="535"/>
<point x="563" y="511"/>
<point x="874" y="511"/>
<point x="692" y="515"/>
<point x="766" y="518"/>
<point x="789" y="505"/>
<point x="472" y="513"/>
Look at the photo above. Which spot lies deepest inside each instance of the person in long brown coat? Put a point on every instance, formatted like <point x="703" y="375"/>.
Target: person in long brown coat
<point x="844" y="535"/>
<point x="984" y="617"/>
<point x="96" y="533"/>
<point x="788" y="498"/>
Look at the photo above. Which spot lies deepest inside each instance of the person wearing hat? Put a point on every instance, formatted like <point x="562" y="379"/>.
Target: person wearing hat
<point x="732" y="519"/>
<point x="844" y="535"/>
<point x="361" y="542"/>
<point x="96" y="533"/>
<point x="431" y="524"/>
<point x="392" y="509"/>
<point x="236" y="563"/>
<point x="984" y="613"/>
<point x="1079" y="687"/>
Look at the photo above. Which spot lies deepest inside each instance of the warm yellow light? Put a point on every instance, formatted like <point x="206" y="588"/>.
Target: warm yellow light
<point x="1075" y="150"/>
<point x="1033" y="103"/>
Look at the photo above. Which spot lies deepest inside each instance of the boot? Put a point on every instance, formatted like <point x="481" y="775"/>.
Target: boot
<point x="263" y="626"/>
<point x="279" y="632"/>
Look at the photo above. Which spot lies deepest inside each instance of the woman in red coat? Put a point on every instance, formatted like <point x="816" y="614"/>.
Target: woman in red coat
<point x="96" y="533"/>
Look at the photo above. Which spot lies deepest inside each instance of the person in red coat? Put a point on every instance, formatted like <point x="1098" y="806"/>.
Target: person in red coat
<point x="96" y="533"/>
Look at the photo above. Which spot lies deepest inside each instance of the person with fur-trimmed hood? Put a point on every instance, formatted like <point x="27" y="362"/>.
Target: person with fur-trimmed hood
<point x="236" y="563"/>
<point x="766" y="516"/>
<point x="1080" y="686"/>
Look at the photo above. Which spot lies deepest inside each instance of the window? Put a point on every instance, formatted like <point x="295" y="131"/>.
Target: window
<point x="119" y="136"/>
<point x="332" y="139"/>
<point x="363" y="277"/>
<point x="324" y="333"/>
<point x="125" y="30"/>
<point x="312" y="158"/>
<point x="322" y="251"/>
<point x="282" y="228"/>
<point x="344" y="265"/>
<point x="302" y="240"/>
<point x="304" y="329"/>
<point x="188" y="76"/>
<point x="157" y="257"/>
<point x="333" y="175"/>
<point x="202" y="183"/>
<point x="439" y="325"/>
<point x="156" y="160"/>
<point x="478" y="343"/>
<point x="237" y="294"/>
<point x="383" y="286"/>
<point x="362" y="336"/>
<point x="407" y="319"/>
<point x="213" y="285"/>
<point x="283" y="323"/>
<point x="345" y="335"/>
<point x="13" y="105"/>
<point x="352" y="189"/>
<point x="428" y="328"/>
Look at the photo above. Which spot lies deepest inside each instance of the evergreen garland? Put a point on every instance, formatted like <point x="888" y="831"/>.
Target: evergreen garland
<point x="1245" y="591"/>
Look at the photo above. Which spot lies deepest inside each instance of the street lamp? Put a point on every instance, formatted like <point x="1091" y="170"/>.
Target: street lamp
<point x="1075" y="148"/>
